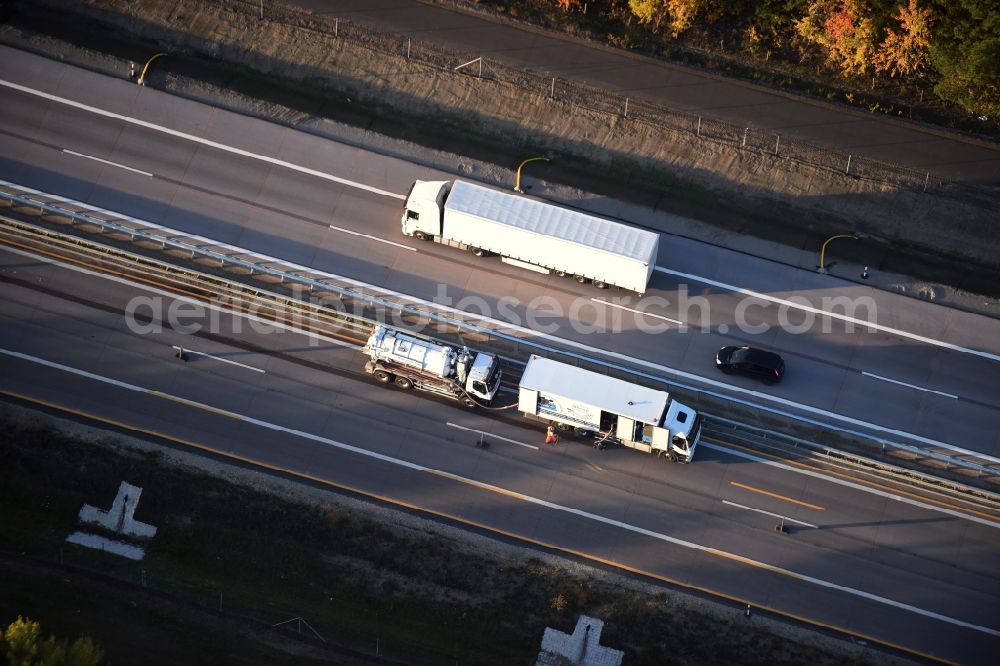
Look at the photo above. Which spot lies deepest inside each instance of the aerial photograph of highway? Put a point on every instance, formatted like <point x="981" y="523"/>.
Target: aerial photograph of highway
<point x="499" y="332"/>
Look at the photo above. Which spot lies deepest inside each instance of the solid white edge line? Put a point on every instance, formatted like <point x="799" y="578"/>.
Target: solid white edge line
<point x="188" y="350"/>
<point x="912" y="386"/>
<point x="527" y="498"/>
<point x="108" y="162"/>
<point x="834" y="315"/>
<point x="768" y="513"/>
<point x="639" y="312"/>
<point x="487" y="434"/>
<point x="200" y="140"/>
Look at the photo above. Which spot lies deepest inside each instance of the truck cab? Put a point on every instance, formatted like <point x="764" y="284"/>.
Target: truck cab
<point x="484" y="377"/>
<point x="682" y="432"/>
<point x="424" y="209"/>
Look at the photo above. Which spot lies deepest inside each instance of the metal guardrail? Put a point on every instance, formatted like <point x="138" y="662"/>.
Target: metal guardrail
<point x="369" y="305"/>
<point x="762" y="438"/>
<point x="596" y="99"/>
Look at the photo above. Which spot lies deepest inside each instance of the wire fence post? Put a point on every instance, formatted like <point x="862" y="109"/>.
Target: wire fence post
<point x="875" y="170"/>
<point x="927" y="179"/>
<point x="848" y="169"/>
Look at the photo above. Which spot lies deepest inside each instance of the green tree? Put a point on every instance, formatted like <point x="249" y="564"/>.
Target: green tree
<point x="22" y="644"/>
<point x="677" y="15"/>
<point x="970" y="76"/>
<point x="776" y="19"/>
<point x="649" y="11"/>
<point x="84" y="652"/>
<point x="908" y="51"/>
<point x="965" y="54"/>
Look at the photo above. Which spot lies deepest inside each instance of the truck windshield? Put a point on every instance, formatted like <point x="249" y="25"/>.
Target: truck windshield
<point x="493" y="381"/>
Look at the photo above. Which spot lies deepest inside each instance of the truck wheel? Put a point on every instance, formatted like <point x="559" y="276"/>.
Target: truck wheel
<point x="382" y="376"/>
<point x="583" y="432"/>
<point x="600" y="285"/>
<point x="672" y="456"/>
<point x="469" y="402"/>
<point x="479" y="252"/>
<point x="563" y="426"/>
<point x="419" y="235"/>
<point x="579" y="278"/>
<point x="404" y="383"/>
<point x="561" y="273"/>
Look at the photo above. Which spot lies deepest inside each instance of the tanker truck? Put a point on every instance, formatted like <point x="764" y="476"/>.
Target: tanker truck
<point x="608" y="409"/>
<point x="411" y="362"/>
<point x="531" y="234"/>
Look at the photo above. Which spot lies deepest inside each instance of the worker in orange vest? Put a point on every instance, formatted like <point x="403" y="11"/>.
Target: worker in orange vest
<point x="550" y="436"/>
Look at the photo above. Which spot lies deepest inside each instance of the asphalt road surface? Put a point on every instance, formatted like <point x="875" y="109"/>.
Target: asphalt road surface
<point x="881" y="563"/>
<point x="851" y="131"/>
<point x="924" y="374"/>
<point x="919" y="575"/>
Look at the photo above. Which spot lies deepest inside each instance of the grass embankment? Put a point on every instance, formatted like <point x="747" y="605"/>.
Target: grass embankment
<point x="357" y="575"/>
<point x="271" y="560"/>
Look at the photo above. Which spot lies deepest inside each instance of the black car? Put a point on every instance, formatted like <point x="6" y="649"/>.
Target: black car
<point x="764" y="365"/>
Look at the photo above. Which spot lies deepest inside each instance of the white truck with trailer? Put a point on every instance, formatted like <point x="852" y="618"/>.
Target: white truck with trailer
<point x="531" y="234"/>
<point x="412" y="362"/>
<point x="610" y="409"/>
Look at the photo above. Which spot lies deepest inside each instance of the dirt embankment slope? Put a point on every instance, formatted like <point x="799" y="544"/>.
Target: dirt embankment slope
<point x="367" y="79"/>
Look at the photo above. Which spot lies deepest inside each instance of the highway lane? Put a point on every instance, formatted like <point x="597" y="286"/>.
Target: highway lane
<point x="684" y="88"/>
<point x="878" y="561"/>
<point x="285" y="201"/>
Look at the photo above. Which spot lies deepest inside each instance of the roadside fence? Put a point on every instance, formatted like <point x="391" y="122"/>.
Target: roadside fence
<point x="614" y="104"/>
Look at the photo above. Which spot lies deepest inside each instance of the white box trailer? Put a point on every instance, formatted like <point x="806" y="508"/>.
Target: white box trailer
<point x="531" y="234"/>
<point x="608" y="408"/>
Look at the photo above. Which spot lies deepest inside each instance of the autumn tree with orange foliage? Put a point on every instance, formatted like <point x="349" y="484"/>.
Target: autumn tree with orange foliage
<point x="908" y="51"/>
<point x="845" y="30"/>
<point x="950" y="48"/>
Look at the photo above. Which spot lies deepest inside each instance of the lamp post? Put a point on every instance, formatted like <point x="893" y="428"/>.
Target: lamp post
<point x="517" y="181"/>
<point x="822" y="252"/>
<point x="145" y="68"/>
